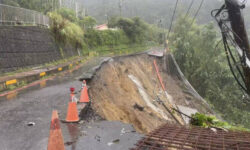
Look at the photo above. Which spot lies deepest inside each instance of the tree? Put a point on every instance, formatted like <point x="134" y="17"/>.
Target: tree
<point x="134" y="28"/>
<point x="68" y="14"/>
<point x="87" y="22"/>
<point x="206" y="68"/>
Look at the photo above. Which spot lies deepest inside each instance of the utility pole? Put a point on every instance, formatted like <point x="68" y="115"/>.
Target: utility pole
<point x="60" y="3"/>
<point x="120" y="7"/>
<point x="240" y="34"/>
<point x="76" y="9"/>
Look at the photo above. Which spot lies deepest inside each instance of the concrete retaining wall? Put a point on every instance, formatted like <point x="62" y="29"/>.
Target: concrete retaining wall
<point x="28" y="46"/>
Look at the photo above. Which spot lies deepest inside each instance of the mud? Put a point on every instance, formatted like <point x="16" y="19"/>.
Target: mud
<point x="125" y="82"/>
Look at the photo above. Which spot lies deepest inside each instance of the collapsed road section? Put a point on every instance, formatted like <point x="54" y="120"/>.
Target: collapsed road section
<point x="128" y="89"/>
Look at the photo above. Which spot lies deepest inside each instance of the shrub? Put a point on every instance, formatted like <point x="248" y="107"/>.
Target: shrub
<point x="87" y="22"/>
<point x="66" y="31"/>
<point x="211" y="121"/>
<point x="137" y="30"/>
<point x="74" y="34"/>
<point x="57" y="24"/>
<point x="110" y="38"/>
<point x="67" y="14"/>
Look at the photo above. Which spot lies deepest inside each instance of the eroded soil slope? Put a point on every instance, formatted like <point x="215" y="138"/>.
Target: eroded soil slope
<point x="127" y="89"/>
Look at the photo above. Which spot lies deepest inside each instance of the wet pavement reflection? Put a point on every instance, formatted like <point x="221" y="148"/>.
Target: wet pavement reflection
<point x="43" y="84"/>
<point x="74" y="131"/>
<point x="35" y="104"/>
<point x="11" y="95"/>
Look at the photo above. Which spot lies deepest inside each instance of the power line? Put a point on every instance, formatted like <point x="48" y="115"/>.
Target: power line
<point x="197" y="12"/>
<point x="189" y="8"/>
<point x="227" y="37"/>
<point x="176" y="4"/>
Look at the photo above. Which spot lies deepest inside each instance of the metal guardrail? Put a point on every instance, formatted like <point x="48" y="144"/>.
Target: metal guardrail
<point x="10" y="15"/>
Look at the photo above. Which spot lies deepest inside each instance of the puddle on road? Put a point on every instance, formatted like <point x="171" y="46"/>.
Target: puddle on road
<point x="74" y="131"/>
<point x="61" y="78"/>
<point x="43" y="84"/>
<point x="11" y="95"/>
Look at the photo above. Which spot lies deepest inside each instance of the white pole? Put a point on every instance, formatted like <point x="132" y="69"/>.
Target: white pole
<point x="44" y="21"/>
<point x="60" y="3"/>
<point x="34" y="17"/>
<point x="76" y="9"/>
<point x="1" y="14"/>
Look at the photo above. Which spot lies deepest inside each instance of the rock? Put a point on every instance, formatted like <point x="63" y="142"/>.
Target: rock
<point x="116" y="141"/>
<point x="31" y="124"/>
<point x="140" y="108"/>
<point x="98" y="138"/>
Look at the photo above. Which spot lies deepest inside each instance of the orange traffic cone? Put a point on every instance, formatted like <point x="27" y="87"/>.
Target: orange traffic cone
<point x="72" y="115"/>
<point x="55" y="138"/>
<point x="84" y="98"/>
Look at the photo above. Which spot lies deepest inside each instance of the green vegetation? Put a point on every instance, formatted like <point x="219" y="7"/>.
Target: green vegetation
<point x="65" y="31"/>
<point x="87" y="22"/>
<point x="136" y="29"/>
<point x="211" y="121"/>
<point x="79" y="32"/>
<point x="94" y="38"/>
<point x="204" y="64"/>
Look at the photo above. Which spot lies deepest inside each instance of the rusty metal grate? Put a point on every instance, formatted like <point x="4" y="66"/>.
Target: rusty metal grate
<point x="174" y="137"/>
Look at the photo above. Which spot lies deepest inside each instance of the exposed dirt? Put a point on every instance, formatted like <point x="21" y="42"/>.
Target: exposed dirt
<point x="127" y="89"/>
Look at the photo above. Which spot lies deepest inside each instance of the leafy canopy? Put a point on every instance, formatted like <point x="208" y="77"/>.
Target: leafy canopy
<point x="202" y="59"/>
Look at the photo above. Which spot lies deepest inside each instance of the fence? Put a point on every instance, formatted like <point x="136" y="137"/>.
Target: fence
<point x="10" y="15"/>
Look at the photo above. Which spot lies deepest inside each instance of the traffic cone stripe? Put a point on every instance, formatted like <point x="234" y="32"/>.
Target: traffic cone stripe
<point x="55" y="124"/>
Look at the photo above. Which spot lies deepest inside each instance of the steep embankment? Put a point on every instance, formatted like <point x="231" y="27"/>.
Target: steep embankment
<point x="127" y="89"/>
<point x="23" y="46"/>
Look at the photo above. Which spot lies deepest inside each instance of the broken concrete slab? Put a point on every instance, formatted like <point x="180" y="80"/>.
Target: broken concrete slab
<point x="188" y="111"/>
<point x="92" y="66"/>
<point x="157" y="53"/>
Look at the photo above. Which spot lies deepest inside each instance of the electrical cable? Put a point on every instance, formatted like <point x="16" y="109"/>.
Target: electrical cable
<point x="244" y="2"/>
<point x="178" y="111"/>
<point x="230" y="64"/>
<point x="226" y="35"/>
<point x="218" y="43"/>
<point x="189" y="8"/>
<point x="197" y="12"/>
<point x="238" y="69"/>
<point x="235" y="63"/>
<point x="176" y="4"/>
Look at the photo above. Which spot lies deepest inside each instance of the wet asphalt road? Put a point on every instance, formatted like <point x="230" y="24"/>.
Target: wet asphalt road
<point x="35" y="104"/>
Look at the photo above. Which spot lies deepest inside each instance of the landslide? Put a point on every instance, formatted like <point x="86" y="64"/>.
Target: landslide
<point x="127" y="89"/>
